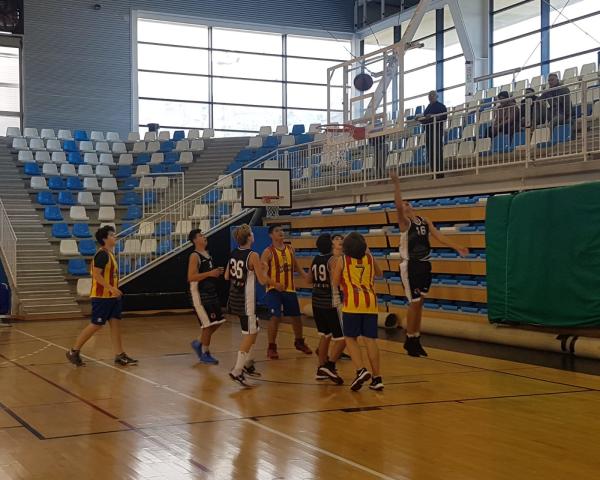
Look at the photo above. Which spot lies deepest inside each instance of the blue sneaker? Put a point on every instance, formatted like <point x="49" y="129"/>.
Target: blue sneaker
<point x="197" y="346"/>
<point x="206" y="357"/>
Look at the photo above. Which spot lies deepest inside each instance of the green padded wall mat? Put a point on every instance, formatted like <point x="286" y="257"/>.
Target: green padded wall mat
<point x="551" y="258"/>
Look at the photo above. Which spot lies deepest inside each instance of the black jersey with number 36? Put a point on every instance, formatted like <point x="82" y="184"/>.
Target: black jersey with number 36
<point x="241" y="283"/>
<point x="414" y="243"/>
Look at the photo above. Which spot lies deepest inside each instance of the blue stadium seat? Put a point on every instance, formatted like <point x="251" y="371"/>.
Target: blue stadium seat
<point x="141" y="159"/>
<point x="75" y="158"/>
<point x="298" y="129"/>
<point x="454" y="134"/>
<point x="483" y="130"/>
<point x="174" y="168"/>
<point x="223" y="209"/>
<point x="297" y="173"/>
<point x="66" y="198"/>
<point x="45" y="198"/>
<point x="171" y="157"/>
<point x="80" y="136"/>
<point x="245" y="155"/>
<point x="74" y="183"/>
<point x="124" y="171"/>
<point x="419" y="157"/>
<point x="304" y="138"/>
<point x="164" y="247"/>
<point x="70" y="146"/>
<point x="130" y="198"/>
<point x="124" y="266"/>
<point x="271" y="142"/>
<point x="158" y="168"/>
<point x="519" y="139"/>
<point x="163" y="228"/>
<point x="233" y="166"/>
<point x="78" y="267"/>
<point x="178" y="135"/>
<point x="140" y="263"/>
<point x="150" y="198"/>
<point x="210" y="197"/>
<point x="501" y="144"/>
<point x="127" y="228"/>
<point x="53" y="214"/>
<point x="561" y="133"/>
<point x="237" y="181"/>
<point x="356" y="166"/>
<point x="133" y="213"/>
<point x="56" y="183"/>
<point x="471" y="118"/>
<point x="129" y="183"/>
<point x="81" y="230"/>
<point x="166" y="146"/>
<point x="60" y="230"/>
<point x="32" y="169"/>
<point x="87" y="247"/>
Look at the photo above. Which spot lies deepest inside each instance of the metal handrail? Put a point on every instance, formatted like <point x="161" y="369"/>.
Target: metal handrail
<point x="8" y="244"/>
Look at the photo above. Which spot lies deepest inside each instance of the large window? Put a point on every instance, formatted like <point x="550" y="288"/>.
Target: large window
<point x="198" y="76"/>
<point x="10" y="97"/>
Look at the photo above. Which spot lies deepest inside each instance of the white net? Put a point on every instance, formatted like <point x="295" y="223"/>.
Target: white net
<point x="271" y="205"/>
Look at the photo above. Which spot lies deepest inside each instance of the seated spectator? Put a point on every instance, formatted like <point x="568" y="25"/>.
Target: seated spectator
<point x="537" y="112"/>
<point x="558" y="101"/>
<point x="506" y="116"/>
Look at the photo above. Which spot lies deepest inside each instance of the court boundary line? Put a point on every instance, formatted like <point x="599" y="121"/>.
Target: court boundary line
<point x="234" y="415"/>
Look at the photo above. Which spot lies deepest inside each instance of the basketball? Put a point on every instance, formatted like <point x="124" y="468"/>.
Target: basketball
<point x="363" y="82"/>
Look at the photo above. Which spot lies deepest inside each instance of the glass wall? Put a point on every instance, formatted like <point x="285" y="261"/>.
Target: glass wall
<point x="522" y="30"/>
<point x="10" y="96"/>
<point x="198" y="76"/>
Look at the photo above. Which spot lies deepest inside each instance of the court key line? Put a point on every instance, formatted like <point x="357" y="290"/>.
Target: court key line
<point x="226" y="412"/>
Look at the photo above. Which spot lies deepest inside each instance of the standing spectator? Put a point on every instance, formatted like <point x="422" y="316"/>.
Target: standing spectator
<point x="433" y="118"/>
<point x="558" y="99"/>
<point x="506" y="115"/>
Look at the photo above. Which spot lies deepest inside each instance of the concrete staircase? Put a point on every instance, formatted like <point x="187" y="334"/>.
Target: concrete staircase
<point x="218" y="153"/>
<point x="42" y="289"/>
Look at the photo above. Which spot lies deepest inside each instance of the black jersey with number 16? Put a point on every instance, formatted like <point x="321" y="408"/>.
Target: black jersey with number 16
<point x="241" y="283"/>
<point x="414" y="243"/>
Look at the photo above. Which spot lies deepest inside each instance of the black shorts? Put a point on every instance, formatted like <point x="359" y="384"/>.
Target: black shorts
<point x="209" y="314"/>
<point x="416" y="279"/>
<point x="328" y="322"/>
<point x="104" y="309"/>
<point x="249" y="324"/>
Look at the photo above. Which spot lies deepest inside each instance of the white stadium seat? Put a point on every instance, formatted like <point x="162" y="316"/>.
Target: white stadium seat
<point x="31" y="133"/>
<point x="59" y="157"/>
<point x="153" y="147"/>
<point x="139" y="147"/>
<point x="68" y="248"/>
<point x="125" y="159"/>
<point x="66" y="169"/>
<point x="204" y="225"/>
<point x="466" y="148"/>
<point x="186" y="158"/>
<point x="113" y="137"/>
<point x="20" y="144"/>
<point x="225" y="181"/>
<point x="229" y="195"/>
<point x="183" y="227"/>
<point x="106" y="159"/>
<point x="90" y="158"/>
<point x="150" y="137"/>
<point x="164" y="135"/>
<point x="146" y="183"/>
<point x="78" y="213"/>
<point x="146" y="229"/>
<point x="48" y="134"/>
<point x="103" y="171"/>
<point x="38" y="183"/>
<point x="106" y="214"/>
<point x="157" y="158"/>
<point x="197" y="145"/>
<point x="265" y="131"/>
<point x="49" y="169"/>
<point x="85" y="199"/>
<point x="41" y="157"/>
<point x="161" y="183"/>
<point x="142" y="170"/>
<point x="84" y="287"/>
<point x="237" y="208"/>
<point x="108" y="199"/>
<point x="103" y="147"/>
<point x="91" y="184"/>
<point x="13" y="132"/>
<point x="208" y="133"/>
<point x="109" y="184"/>
<point x="314" y="128"/>
<point x="255" y="142"/>
<point x="148" y="246"/>
<point x="25" y="156"/>
<point x="281" y="130"/>
<point x="97" y="136"/>
<point x="193" y="134"/>
<point x="200" y="212"/>
<point x="570" y="74"/>
<point x="182" y="146"/>
<point x="133" y="137"/>
<point x="87" y="146"/>
<point x="541" y="136"/>
<point x="119" y="147"/>
<point x="64" y="135"/>
<point x="132" y="247"/>
<point x="37" y="144"/>
<point x="287" y="141"/>
<point x="53" y="146"/>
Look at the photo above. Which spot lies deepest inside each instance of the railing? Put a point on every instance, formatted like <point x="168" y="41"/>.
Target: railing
<point x="8" y="244"/>
<point x="164" y="190"/>
<point x="562" y="123"/>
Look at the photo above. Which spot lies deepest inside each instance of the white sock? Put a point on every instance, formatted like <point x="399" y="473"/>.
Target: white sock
<point x="239" y="364"/>
<point x="414" y="335"/>
<point x="249" y="357"/>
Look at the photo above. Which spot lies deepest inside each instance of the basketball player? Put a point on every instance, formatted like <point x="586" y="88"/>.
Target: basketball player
<point x="106" y="300"/>
<point x="325" y="301"/>
<point x="355" y="273"/>
<point x="202" y="277"/>
<point x="243" y="268"/>
<point x="281" y="297"/>
<point x="415" y="268"/>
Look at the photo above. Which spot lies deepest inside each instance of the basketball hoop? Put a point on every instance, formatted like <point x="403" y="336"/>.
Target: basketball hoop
<point x="338" y="138"/>
<point x="270" y="202"/>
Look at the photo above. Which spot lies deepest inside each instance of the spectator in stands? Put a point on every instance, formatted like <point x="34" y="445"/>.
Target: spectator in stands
<point x="380" y="146"/>
<point x="433" y="118"/>
<point x="558" y="100"/>
<point x="536" y="111"/>
<point x="506" y="116"/>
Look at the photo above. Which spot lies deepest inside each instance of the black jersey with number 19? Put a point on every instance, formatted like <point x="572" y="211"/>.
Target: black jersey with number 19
<point x="322" y="291"/>
<point x="241" y="283"/>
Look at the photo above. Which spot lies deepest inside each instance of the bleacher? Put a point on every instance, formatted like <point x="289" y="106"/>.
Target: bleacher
<point x="459" y="287"/>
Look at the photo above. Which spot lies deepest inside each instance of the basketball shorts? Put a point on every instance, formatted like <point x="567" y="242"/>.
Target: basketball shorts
<point x="209" y="314"/>
<point x="105" y="309"/>
<point x="249" y="324"/>
<point x="328" y="322"/>
<point x="359" y="325"/>
<point x="416" y="279"/>
<point x="282" y="304"/>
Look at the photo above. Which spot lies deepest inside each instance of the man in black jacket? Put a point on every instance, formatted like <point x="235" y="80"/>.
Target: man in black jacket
<point x="433" y="118"/>
<point x="558" y="99"/>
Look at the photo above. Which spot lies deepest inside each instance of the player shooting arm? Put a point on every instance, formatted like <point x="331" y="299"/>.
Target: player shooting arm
<point x="403" y="221"/>
<point x="194" y="276"/>
<point x="258" y="266"/>
<point x="440" y="237"/>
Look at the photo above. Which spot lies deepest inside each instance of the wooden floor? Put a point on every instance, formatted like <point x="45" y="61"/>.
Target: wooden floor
<point x="451" y="416"/>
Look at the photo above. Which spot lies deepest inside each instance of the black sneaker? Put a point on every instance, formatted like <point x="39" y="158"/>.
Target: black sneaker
<point x="239" y="379"/>
<point x="411" y="346"/>
<point x="345" y="356"/>
<point x="376" y="383"/>
<point x="420" y="348"/>
<point x="321" y="375"/>
<point x="74" y="357"/>
<point x="331" y="373"/>
<point x="251" y="371"/>
<point x="362" y="376"/>
<point x="123" y="359"/>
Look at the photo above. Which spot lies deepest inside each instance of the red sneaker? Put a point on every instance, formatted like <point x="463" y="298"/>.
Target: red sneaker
<point x="272" y="352"/>
<point x="303" y="347"/>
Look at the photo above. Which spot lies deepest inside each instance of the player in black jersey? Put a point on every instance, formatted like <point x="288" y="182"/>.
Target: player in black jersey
<point x="202" y="277"/>
<point x="325" y="301"/>
<point x="415" y="268"/>
<point x="243" y="269"/>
